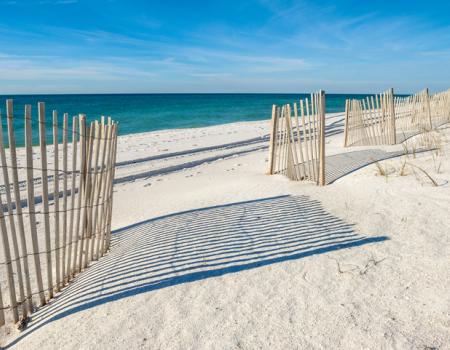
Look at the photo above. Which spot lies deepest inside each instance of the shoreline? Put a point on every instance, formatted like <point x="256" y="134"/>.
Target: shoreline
<point x="243" y="122"/>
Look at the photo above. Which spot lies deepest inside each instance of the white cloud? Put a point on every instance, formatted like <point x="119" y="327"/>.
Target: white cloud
<point x="40" y="68"/>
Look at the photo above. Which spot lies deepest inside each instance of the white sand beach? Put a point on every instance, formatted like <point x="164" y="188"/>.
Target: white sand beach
<point x="209" y="252"/>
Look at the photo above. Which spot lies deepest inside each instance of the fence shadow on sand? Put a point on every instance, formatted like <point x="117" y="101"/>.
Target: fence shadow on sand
<point x="203" y="243"/>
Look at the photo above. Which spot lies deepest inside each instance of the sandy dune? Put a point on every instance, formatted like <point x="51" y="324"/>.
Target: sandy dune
<point x="210" y="253"/>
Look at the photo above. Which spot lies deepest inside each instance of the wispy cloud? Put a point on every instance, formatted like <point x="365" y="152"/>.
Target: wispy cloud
<point x="51" y="68"/>
<point x="285" y="44"/>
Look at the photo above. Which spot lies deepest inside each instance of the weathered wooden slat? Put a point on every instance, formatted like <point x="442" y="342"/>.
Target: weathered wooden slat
<point x="45" y="203"/>
<point x="279" y="143"/>
<point x="12" y="224"/>
<point x="392" y="112"/>
<point x="31" y="204"/>
<point x="94" y="190"/>
<point x="2" y="311"/>
<point x="111" y="182"/>
<point x="81" y="190"/>
<point x="273" y="136"/>
<point x="72" y="234"/>
<point x="85" y="217"/>
<point x="8" y="264"/>
<point x="305" y="141"/>
<point x="104" y="196"/>
<point x="346" y="122"/>
<point x="99" y="198"/>
<point x="311" y="139"/>
<point x="18" y="206"/>
<point x="322" y="139"/>
<point x="302" y="168"/>
<point x="64" y="273"/>
<point x="315" y="103"/>
<point x="56" y="200"/>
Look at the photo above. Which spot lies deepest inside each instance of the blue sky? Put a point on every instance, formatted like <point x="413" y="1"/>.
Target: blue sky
<point x="82" y="46"/>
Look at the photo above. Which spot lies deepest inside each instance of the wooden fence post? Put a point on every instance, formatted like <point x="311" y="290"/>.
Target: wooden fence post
<point x="290" y="164"/>
<point x="296" y="165"/>
<point x="84" y="134"/>
<point x="108" y="210"/>
<point x="56" y="199"/>
<point x="48" y="247"/>
<point x="347" y="112"/>
<point x="12" y="225"/>
<point x="102" y="236"/>
<point x="88" y="192"/>
<point x="64" y="224"/>
<point x="273" y="136"/>
<point x="18" y="204"/>
<point x="70" y="266"/>
<point x="305" y="140"/>
<point x="8" y="263"/>
<point x="94" y="190"/>
<point x="322" y="139"/>
<point x="429" y="108"/>
<point x="98" y="211"/>
<point x="302" y="169"/>
<point x="392" y="107"/>
<point x="82" y="145"/>
<point x="111" y="191"/>
<point x="311" y="142"/>
<point x="2" y="312"/>
<point x="30" y="202"/>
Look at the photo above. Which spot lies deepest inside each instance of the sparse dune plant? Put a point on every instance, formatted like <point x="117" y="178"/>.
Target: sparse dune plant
<point x="402" y="171"/>
<point x="382" y="171"/>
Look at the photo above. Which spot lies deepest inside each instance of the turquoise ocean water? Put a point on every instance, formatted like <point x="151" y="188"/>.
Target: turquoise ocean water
<point x="148" y="112"/>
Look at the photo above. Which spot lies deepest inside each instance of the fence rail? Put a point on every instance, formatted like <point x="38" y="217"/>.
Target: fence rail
<point x="68" y="224"/>
<point x="386" y="120"/>
<point x="297" y="142"/>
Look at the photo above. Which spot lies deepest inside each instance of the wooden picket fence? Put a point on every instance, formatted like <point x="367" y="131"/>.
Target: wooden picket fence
<point x="387" y="120"/>
<point x="58" y="206"/>
<point x="297" y="141"/>
<point x="370" y="121"/>
<point x="440" y="108"/>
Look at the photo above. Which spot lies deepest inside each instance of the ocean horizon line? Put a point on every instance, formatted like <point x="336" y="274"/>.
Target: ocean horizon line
<point x="194" y="93"/>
